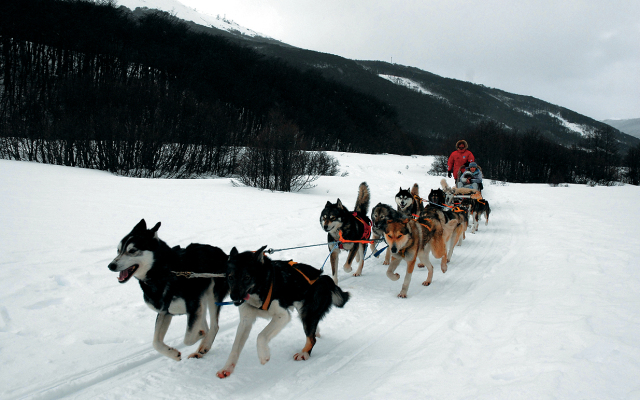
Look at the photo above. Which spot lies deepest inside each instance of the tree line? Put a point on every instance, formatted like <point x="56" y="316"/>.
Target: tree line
<point x="92" y="85"/>
<point x="530" y="157"/>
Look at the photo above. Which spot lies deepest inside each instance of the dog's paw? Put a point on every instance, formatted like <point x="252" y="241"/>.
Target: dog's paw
<point x="225" y="372"/>
<point x="420" y="265"/>
<point x="444" y="268"/>
<point x="347" y="268"/>
<point x="302" y="356"/>
<point x="385" y="263"/>
<point x="393" y="277"/>
<point x="402" y="295"/>
<point x="264" y="355"/>
<point x="173" y="354"/>
<point x="357" y="274"/>
<point x="426" y="283"/>
<point x="200" y="353"/>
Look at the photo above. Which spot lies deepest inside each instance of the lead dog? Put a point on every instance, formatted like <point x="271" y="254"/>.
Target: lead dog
<point x="337" y="221"/>
<point x="269" y="289"/>
<point x="141" y="254"/>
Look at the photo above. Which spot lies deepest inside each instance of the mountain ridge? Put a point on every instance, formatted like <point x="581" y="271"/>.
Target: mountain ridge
<point x="446" y="111"/>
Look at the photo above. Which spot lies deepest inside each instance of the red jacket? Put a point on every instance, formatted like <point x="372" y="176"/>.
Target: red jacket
<point x="459" y="158"/>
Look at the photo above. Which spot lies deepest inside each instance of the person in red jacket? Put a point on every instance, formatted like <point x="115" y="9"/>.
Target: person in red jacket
<point x="459" y="158"/>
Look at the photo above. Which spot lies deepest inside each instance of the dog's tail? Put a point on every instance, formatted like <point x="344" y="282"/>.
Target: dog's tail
<point x="325" y="293"/>
<point x="339" y="297"/>
<point x="443" y="183"/>
<point x="415" y="190"/>
<point x="325" y="287"/>
<point x="362" y="203"/>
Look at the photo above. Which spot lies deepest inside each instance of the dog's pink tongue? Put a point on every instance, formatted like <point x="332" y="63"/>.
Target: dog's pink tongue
<point x="246" y="297"/>
<point x="123" y="275"/>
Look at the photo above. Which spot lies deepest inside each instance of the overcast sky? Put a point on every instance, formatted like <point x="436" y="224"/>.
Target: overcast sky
<point x="582" y="55"/>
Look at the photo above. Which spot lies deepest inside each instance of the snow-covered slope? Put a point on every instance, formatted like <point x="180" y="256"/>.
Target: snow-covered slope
<point x="543" y="303"/>
<point x="189" y="14"/>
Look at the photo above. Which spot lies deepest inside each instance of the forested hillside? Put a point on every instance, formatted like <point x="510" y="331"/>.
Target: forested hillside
<point x="77" y="70"/>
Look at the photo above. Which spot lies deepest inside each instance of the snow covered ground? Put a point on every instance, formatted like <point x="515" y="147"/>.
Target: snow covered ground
<point x="543" y="303"/>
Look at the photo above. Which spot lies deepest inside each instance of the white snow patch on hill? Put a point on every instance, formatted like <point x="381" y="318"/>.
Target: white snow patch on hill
<point x="581" y="129"/>
<point x="411" y="84"/>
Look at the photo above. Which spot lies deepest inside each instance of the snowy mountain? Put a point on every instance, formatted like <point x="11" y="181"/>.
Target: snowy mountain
<point x="427" y="105"/>
<point x="186" y="13"/>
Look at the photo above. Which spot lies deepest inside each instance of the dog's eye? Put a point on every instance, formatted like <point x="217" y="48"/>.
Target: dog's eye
<point x="399" y="236"/>
<point x="246" y="278"/>
<point x="132" y="250"/>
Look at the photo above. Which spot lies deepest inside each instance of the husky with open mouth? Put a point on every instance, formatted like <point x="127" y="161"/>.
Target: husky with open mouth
<point x="141" y="254"/>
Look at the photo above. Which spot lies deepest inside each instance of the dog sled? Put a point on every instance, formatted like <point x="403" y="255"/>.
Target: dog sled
<point x="453" y="198"/>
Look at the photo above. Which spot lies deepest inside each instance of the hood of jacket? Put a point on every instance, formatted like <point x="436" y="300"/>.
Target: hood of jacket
<point x="466" y="145"/>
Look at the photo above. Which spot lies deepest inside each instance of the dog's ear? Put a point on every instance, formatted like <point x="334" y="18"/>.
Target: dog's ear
<point x="328" y="204"/>
<point x="260" y="254"/>
<point x="234" y="252"/>
<point x="142" y="226"/>
<point x="339" y="204"/>
<point x="154" y="230"/>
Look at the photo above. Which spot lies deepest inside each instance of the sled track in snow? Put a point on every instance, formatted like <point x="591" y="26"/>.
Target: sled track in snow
<point x="470" y="263"/>
<point x="75" y="383"/>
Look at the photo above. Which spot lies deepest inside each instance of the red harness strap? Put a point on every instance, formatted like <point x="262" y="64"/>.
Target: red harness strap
<point x="267" y="301"/>
<point x="365" y="235"/>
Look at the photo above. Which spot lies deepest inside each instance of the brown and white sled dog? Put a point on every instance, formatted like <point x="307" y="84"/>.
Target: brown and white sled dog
<point x="408" y="201"/>
<point x="336" y="220"/>
<point x="479" y="207"/>
<point x="410" y="239"/>
<point x="380" y="215"/>
<point x="437" y="206"/>
<point x="269" y="289"/>
<point x="141" y="254"/>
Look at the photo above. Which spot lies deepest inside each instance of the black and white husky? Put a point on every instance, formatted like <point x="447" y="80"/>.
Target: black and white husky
<point x="265" y="288"/>
<point x="409" y="201"/>
<point x="340" y="223"/>
<point x="141" y="254"/>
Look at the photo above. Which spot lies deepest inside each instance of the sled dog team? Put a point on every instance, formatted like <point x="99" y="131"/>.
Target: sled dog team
<point x="266" y="288"/>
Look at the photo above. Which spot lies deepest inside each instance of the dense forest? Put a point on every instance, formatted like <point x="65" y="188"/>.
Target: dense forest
<point x="91" y="85"/>
<point x="79" y="71"/>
